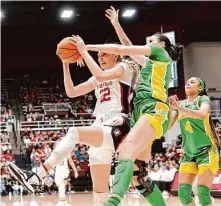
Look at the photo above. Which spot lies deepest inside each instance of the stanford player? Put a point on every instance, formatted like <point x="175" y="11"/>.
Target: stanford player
<point x="112" y="84"/>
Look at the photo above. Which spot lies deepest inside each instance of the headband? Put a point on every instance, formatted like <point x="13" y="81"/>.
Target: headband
<point x="202" y="84"/>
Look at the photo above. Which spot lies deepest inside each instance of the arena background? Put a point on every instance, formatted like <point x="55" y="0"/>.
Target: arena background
<point x="31" y="70"/>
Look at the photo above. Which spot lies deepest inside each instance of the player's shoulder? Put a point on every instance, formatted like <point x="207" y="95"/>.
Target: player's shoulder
<point x="203" y="99"/>
<point x="127" y="75"/>
<point x="159" y="54"/>
<point x="124" y="65"/>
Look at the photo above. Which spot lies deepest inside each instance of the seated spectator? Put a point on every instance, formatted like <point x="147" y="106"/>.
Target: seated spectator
<point x="6" y="146"/>
<point x="165" y="181"/>
<point x="47" y="151"/>
<point x="77" y="152"/>
<point x="9" y="156"/>
<point x="154" y="174"/>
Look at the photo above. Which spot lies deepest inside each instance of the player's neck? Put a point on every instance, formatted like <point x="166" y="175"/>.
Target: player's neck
<point x="192" y="98"/>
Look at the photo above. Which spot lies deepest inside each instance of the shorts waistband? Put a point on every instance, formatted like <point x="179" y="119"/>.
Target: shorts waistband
<point x="109" y="116"/>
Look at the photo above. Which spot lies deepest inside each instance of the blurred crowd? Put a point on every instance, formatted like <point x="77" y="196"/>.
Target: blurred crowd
<point x="6" y="110"/>
<point x="34" y="93"/>
<point x="163" y="167"/>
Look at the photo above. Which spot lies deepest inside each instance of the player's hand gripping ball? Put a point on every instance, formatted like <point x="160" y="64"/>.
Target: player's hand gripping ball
<point x="68" y="52"/>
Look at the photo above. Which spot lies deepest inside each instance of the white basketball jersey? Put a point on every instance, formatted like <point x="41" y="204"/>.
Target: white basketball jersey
<point x="113" y="96"/>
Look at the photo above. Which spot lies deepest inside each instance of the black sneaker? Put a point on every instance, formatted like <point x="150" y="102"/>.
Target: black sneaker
<point x="28" y="179"/>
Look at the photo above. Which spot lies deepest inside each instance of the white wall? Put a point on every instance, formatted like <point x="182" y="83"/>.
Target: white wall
<point x="204" y="60"/>
<point x="172" y="134"/>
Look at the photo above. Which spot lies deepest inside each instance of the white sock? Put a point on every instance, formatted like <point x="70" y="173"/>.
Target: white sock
<point x="61" y="190"/>
<point x="64" y="148"/>
<point x="100" y="197"/>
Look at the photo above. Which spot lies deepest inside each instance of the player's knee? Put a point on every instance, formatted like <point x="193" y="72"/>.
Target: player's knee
<point x="68" y="141"/>
<point x="204" y="195"/>
<point x="144" y="184"/>
<point x="73" y="134"/>
<point x="184" y="193"/>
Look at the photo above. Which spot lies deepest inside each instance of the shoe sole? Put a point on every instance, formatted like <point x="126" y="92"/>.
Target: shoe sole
<point x="17" y="174"/>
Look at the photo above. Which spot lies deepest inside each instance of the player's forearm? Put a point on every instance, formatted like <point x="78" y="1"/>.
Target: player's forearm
<point x="193" y="113"/>
<point x="106" y="48"/>
<point x="173" y="117"/>
<point x="126" y="41"/>
<point x="122" y="35"/>
<point x="71" y="162"/>
<point x="92" y="65"/>
<point x="120" y="49"/>
<point x="74" y="168"/>
<point x="68" y="83"/>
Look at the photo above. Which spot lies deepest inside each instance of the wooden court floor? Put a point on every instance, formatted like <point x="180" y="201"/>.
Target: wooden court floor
<point x="84" y="199"/>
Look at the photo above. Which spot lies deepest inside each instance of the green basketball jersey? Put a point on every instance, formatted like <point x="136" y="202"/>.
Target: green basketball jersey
<point x="197" y="134"/>
<point x="155" y="77"/>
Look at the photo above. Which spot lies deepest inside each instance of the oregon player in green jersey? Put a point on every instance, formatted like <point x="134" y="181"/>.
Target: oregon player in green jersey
<point x="200" y="142"/>
<point x="150" y="118"/>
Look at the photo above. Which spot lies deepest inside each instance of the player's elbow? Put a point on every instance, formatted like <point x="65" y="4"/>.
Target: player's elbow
<point x="202" y="116"/>
<point x="71" y="94"/>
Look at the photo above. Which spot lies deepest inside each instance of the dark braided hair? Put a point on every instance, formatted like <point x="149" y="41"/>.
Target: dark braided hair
<point x="204" y="92"/>
<point x="175" y="51"/>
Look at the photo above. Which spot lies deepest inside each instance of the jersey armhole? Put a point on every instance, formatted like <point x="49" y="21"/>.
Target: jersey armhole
<point x="124" y="66"/>
<point x="125" y="75"/>
<point x="93" y="81"/>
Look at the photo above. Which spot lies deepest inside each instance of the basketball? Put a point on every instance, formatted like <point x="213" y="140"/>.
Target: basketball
<point x="67" y="51"/>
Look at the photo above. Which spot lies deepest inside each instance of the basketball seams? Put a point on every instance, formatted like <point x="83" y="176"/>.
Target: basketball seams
<point x="76" y="58"/>
<point x="66" y="48"/>
<point x="71" y="55"/>
<point x="67" y="51"/>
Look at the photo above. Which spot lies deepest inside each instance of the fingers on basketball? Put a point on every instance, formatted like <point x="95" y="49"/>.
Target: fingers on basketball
<point x="67" y="51"/>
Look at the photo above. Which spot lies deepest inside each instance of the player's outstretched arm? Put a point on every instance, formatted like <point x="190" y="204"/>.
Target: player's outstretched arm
<point x="95" y="69"/>
<point x="71" y="90"/>
<point x="120" y="49"/>
<point x="112" y="15"/>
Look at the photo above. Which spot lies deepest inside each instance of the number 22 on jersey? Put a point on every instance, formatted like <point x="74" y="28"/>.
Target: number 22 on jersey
<point x="105" y="95"/>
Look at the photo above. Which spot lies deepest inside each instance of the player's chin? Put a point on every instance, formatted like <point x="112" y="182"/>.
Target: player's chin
<point x="188" y="91"/>
<point x="104" y="67"/>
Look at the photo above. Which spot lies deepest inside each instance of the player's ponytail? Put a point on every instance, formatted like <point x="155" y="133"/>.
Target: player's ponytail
<point x="218" y="143"/>
<point x="135" y="69"/>
<point x="203" y="92"/>
<point x="175" y="51"/>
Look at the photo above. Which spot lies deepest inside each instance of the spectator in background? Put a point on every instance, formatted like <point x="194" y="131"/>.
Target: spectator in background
<point x="47" y="151"/>
<point x="77" y="152"/>
<point x="41" y="154"/>
<point x="172" y="170"/>
<point x="3" y="162"/>
<point x="15" y="188"/>
<point x="164" y="176"/>
<point x="155" y="174"/>
<point x="6" y="146"/>
<point x="9" y="156"/>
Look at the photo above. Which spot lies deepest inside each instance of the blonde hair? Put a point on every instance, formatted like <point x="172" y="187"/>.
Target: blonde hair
<point x="134" y="68"/>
